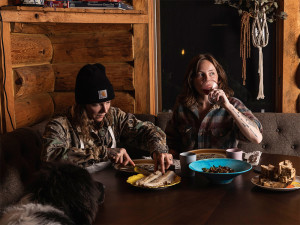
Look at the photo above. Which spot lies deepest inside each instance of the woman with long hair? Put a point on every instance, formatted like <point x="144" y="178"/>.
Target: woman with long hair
<point x="206" y="115"/>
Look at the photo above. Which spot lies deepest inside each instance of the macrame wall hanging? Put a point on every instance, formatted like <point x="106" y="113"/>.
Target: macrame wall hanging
<point x="245" y="42"/>
<point x="260" y="11"/>
<point x="260" y="39"/>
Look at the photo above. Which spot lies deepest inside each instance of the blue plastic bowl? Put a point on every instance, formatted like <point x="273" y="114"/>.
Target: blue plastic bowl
<point x="221" y="178"/>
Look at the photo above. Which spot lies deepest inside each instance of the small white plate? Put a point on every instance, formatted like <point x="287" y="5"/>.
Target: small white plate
<point x="295" y="184"/>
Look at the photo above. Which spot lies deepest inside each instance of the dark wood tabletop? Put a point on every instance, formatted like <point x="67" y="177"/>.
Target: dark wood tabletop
<point x="196" y="201"/>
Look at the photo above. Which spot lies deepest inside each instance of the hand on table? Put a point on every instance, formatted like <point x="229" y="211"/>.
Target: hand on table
<point x="165" y="160"/>
<point x="120" y="155"/>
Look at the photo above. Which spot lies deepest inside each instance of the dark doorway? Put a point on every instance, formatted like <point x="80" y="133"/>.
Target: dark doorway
<point x="200" y="26"/>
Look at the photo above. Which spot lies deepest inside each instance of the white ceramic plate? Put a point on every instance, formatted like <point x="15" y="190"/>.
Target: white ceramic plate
<point x="295" y="185"/>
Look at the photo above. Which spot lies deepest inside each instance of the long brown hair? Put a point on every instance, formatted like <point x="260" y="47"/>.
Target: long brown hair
<point x="80" y="119"/>
<point x="189" y="95"/>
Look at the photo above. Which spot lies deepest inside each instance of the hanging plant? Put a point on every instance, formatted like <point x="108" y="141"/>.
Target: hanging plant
<point x="261" y="11"/>
<point x="270" y="7"/>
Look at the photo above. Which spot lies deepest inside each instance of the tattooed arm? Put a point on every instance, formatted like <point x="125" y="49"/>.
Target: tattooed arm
<point x="247" y="127"/>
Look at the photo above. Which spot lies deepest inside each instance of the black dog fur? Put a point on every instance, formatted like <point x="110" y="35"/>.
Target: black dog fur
<point x="65" y="187"/>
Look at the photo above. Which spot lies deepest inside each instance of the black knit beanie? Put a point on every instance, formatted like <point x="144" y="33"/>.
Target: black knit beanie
<point x="92" y="85"/>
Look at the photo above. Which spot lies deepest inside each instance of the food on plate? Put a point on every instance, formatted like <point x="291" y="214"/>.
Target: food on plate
<point x="149" y="178"/>
<point x="165" y="179"/>
<point x="157" y="179"/>
<point x="144" y="165"/>
<point x="145" y="169"/>
<point x="219" y="169"/>
<point x="209" y="156"/>
<point x="127" y="168"/>
<point x="277" y="176"/>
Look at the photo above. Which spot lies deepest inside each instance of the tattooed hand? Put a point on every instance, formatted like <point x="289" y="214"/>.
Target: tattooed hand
<point x="120" y="155"/>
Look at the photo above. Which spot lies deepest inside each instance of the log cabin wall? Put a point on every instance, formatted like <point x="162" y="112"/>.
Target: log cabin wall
<point x="43" y="54"/>
<point x="41" y="84"/>
<point x="47" y="57"/>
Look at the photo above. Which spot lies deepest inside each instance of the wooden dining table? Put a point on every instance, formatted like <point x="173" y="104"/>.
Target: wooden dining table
<point x="197" y="201"/>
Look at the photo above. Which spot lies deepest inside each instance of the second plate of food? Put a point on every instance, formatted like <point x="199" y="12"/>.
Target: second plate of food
<point x="295" y="185"/>
<point x="209" y="153"/>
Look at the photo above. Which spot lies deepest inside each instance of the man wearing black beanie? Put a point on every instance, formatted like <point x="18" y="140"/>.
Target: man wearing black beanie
<point x="93" y="132"/>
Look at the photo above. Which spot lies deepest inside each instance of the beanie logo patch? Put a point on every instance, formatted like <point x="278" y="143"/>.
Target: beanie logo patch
<point x="102" y="94"/>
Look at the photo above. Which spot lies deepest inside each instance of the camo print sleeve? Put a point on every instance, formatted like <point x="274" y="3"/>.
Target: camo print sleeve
<point x="61" y="142"/>
<point x="57" y="140"/>
<point x="143" y="135"/>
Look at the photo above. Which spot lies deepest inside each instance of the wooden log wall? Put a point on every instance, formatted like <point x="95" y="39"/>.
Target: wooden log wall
<point x="46" y="58"/>
<point x="288" y="92"/>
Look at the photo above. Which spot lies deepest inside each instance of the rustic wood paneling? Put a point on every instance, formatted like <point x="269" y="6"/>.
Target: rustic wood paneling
<point x="124" y="101"/>
<point x="141" y="61"/>
<point x="67" y="39"/>
<point x="5" y="2"/>
<point x="30" y="49"/>
<point x="287" y="90"/>
<point x="100" y="47"/>
<point x="158" y="68"/>
<point x="33" y="109"/>
<point x="119" y="74"/>
<point x="63" y="100"/>
<point x="2" y="102"/>
<point x="33" y="80"/>
<point x="141" y="5"/>
<point x="59" y="15"/>
<point x="152" y="59"/>
<point x="7" y="93"/>
<point x="64" y="28"/>
<point x="141" y="68"/>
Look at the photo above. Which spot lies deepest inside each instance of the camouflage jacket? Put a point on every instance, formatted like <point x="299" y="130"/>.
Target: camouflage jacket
<point x="63" y="141"/>
<point x="217" y="129"/>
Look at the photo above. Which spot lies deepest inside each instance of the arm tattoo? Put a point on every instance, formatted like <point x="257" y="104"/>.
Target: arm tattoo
<point x="246" y="122"/>
<point x="247" y="126"/>
<point x="253" y="124"/>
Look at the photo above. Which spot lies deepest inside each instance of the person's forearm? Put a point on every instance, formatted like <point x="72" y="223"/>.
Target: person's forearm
<point x="248" y="128"/>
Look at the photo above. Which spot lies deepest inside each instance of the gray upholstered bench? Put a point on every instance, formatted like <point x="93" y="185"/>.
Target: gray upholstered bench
<point x="281" y="133"/>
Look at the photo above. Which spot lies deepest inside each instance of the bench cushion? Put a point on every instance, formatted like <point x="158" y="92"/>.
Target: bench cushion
<point x="281" y="134"/>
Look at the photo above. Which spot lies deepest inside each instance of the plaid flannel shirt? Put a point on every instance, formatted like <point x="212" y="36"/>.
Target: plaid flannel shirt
<point x="217" y="130"/>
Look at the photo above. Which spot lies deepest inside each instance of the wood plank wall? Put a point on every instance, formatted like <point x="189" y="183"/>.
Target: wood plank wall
<point x="46" y="58"/>
<point x="288" y="63"/>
